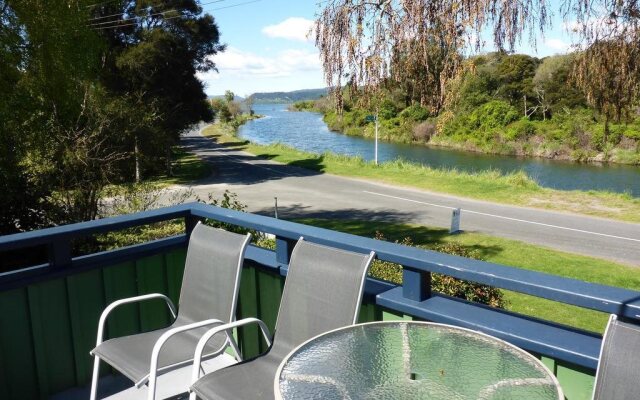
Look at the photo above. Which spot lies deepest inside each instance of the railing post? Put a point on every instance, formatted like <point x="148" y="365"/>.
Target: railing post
<point x="60" y="253"/>
<point x="284" y="247"/>
<point x="416" y="285"/>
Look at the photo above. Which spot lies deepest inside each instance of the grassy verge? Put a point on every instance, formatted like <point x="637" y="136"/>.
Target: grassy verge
<point x="517" y="254"/>
<point x="516" y="188"/>
<point x="186" y="168"/>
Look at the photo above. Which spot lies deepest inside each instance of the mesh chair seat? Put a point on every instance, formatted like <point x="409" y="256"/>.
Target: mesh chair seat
<point x="131" y="355"/>
<point x="618" y="375"/>
<point x="252" y="379"/>
<point x="322" y="292"/>
<point x="209" y="291"/>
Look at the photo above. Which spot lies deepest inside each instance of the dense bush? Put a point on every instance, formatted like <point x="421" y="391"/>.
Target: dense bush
<point x="415" y="113"/>
<point x="442" y="283"/>
<point x="133" y="198"/>
<point x="521" y="129"/>
<point x="494" y="114"/>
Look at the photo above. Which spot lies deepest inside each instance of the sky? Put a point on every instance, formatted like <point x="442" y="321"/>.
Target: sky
<point x="268" y="49"/>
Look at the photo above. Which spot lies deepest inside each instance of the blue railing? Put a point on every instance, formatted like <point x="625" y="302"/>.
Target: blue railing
<point x="412" y="298"/>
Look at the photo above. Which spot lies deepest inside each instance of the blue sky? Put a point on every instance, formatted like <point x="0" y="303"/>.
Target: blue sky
<point x="267" y="47"/>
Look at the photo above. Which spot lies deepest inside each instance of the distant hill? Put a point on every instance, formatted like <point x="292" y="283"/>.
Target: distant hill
<point x="221" y="96"/>
<point x="289" y="97"/>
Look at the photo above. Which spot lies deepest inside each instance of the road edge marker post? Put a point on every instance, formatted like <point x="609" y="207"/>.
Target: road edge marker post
<point x="455" y="221"/>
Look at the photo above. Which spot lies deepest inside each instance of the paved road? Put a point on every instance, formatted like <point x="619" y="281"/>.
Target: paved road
<point x="305" y="193"/>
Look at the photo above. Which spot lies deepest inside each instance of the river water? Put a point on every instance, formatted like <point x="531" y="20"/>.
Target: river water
<point x="306" y="131"/>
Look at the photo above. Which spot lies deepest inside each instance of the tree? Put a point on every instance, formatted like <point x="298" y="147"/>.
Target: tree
<point x="229" y="96"/>
<point x="248" y="101"/>
<point x="158" y="57"/>
<point x="83" y="97"/>
<point x="611" y="93"/>
<point x="515" y="77"/>
<point x="357" y="39"/>
<point x="607" y="69"/>
<point x="552" y="82"/>
<point x="421" y="81"/>
<point x="47" y="55"/>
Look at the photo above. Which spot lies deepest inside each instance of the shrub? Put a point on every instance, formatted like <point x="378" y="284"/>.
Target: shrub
<point x="387" y="109"/>
<point x="521" y="179"/>
<point x="627" y="157"/>
<point x="424" y="131"/>
<point x="415" y="112"/>
<point x="632" y="131"/>
<point x="494" y="114"/>
<point x="303" y="105"/>
<point x="141" y="197"/>
<point x="521" y="129"/>
<point x="444" y="284"/>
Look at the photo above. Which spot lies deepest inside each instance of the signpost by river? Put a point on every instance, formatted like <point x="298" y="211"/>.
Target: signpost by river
<point x="372" y="118"/>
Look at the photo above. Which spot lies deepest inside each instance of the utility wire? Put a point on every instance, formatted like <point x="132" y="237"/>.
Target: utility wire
<point x="133" y="18"/>
<point x="101" y="4"/>
<point x="134" y="23"/>
<point x="119" y="14"/>
<point x="235" y="5"/>
<point x="118" y="25"/>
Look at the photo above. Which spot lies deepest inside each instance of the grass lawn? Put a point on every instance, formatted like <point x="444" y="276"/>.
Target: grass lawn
<point x="516" y="254"/>
<point x="517" y="188"/>
<point x="186" y="168"/>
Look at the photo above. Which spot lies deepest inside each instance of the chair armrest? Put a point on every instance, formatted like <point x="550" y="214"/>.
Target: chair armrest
<point x="197" y="358"/>
<point x="135" y="299"/>
<point x="155" y="354"/>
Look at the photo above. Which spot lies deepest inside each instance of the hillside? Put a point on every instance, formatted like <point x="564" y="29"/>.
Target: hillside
<point x="289" y="97"/>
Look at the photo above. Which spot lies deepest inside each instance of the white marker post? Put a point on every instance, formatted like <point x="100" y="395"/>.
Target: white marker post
<point x="276" y="209"/>
<point x="372" y="118"/>
<point x="455" y="221"/>
<point x="376" y="145"/>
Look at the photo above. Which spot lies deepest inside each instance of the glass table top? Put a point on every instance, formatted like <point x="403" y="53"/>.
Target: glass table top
<point x="412" y="360"/>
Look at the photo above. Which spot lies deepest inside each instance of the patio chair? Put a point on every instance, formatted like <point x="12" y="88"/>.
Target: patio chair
<point x="208" y="297"/>
<point x="323" y="291"/>
<point x="618" y="374"/>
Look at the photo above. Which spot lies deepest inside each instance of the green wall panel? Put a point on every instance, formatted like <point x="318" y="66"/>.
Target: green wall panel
<point x="175" y="270"/>
<point x="17" y="358"/>
<point x="51" y="335"/>
<point x="152" y="278"/>
<point x="86" y="302"/>
<point x="120" y="281"/>
<point x="248" y="307"/>
<point x="269" y="291"/>
<point x="576" y="382"/>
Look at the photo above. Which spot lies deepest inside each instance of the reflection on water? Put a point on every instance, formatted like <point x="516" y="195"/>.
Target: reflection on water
<point x="306" y="131"/>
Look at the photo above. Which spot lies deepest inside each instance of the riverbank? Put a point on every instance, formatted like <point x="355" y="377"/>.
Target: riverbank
<point x="551" y="140"/>
<point x="515" y="189"/>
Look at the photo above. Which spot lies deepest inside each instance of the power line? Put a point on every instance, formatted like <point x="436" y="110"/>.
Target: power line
<point x="119" y="14"/>
<point x="134" y="23"/>
<point x="116" y="24"/>
<point x="235" y="5"/>
<point x="101" y="4"/>
<point x="133" y="18"/>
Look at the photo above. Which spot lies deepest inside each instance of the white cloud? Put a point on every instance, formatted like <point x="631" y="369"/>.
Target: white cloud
<point x="557" y="45"/>
<point x="235" y="64"/>
<point x="294" y="28"/>
<point x="236" y="61"/>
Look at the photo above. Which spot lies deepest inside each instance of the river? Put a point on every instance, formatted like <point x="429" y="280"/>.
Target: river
<point x="306" y="131"/>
